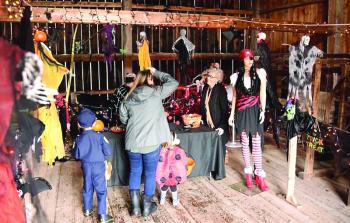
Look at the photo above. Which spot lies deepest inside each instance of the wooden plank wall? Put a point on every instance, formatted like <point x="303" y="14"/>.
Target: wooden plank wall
<point x="93" y="75"/>
<point x="315" y="13"/>
<point x="339" y="12"/>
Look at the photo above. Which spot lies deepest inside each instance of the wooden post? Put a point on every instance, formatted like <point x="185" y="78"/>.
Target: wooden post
<point x="292" y="157"/>
<point x="342" y="105"/>
<point x="127" y="40"/>
<point x="310" y="153"/>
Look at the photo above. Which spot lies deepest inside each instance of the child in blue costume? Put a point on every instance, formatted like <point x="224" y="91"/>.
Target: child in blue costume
<point x="92" y="149"/>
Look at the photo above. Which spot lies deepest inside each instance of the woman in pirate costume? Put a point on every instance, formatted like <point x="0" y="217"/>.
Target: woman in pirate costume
<point x="248" y="111"/>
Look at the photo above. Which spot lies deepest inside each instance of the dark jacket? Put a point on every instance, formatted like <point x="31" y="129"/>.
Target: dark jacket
<point x="218" y="104"/>
<point x="143" y="114"/>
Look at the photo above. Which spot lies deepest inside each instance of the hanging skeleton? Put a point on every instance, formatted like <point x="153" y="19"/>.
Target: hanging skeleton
<point x="301" y="61"/>
<point x="185" y="49"/>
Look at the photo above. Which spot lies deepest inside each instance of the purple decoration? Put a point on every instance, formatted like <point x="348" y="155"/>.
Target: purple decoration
<point x="108" y="47"/>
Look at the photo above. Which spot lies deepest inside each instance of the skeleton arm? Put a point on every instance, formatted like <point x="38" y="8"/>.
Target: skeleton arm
<point x="32" y="87"/>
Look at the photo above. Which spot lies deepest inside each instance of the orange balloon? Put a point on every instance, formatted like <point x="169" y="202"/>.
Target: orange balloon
<point x="40" y="36"/>
<point x="98" y="126"/>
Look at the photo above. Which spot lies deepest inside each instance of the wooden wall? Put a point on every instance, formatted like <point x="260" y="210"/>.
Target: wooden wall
<point x="313" y="13"/>
<point x="339" y="12"/>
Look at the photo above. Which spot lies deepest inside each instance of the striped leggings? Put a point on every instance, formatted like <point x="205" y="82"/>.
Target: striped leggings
<point x="257" y="154"/>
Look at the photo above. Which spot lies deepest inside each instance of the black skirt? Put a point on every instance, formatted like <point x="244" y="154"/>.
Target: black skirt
<point x="247" y="121"/>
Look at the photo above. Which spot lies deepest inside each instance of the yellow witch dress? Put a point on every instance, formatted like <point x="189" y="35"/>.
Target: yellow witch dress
<point x="51" y="139"/>
<point x="144" y="58"/>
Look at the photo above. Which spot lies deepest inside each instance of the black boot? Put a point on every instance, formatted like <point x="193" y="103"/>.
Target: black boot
<point x="105" y="218"/>
<point x="87" y="212"/>
<point x="148" y="205"/>
<point x="135" y="201"/>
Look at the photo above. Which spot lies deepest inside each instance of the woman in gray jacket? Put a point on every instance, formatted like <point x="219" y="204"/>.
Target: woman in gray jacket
<point x="146" y="129"/>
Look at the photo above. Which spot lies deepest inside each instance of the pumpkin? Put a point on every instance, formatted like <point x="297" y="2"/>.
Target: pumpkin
<point x="40" y="36"/>
<point x="98" y="126"/>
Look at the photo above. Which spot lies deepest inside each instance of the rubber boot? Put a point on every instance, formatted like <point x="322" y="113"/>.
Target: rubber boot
<point x="149" y="206"/>
<point x="105" y="218"/>
<point x="135" y="200"/>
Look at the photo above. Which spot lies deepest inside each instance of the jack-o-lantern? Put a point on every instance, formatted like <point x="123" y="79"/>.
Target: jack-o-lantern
<point x="40" y="36"/>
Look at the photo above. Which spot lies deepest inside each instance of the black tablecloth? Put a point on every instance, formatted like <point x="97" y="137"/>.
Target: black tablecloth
<point x="203" y="144"/>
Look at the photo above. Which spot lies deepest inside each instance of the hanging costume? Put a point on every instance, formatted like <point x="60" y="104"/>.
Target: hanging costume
<point x="184" y="48"/>
<point x="108" y="46"/>
<point x="52" y="141"/>
<point x="10" y="204"/>
<point x="301" y="61"/>
<point x="21" y="76"/>
<point x="144" y="58"/>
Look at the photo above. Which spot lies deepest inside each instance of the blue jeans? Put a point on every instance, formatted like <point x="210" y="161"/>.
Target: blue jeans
<point x="148" y="162"/>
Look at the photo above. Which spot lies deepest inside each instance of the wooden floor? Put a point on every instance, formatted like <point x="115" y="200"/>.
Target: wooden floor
<point x="204" y="200"/>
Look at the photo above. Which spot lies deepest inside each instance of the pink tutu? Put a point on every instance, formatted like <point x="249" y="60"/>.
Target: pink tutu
<point x="171" y="168"/>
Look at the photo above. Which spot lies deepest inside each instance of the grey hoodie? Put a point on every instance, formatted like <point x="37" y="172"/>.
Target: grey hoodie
<point x="143" y="113"/>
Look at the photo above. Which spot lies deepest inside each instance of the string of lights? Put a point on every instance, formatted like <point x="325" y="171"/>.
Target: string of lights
<point x="169" y="19"/>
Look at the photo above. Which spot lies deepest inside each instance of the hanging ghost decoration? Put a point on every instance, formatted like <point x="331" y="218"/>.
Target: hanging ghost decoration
<point x="301" y="61"/>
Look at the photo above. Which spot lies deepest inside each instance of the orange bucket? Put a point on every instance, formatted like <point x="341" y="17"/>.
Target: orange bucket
<point x="190" y="164"/>
<point x="98" y="126"/>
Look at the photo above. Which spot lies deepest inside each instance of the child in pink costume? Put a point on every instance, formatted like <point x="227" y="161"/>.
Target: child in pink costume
<point x="171" y="170"/>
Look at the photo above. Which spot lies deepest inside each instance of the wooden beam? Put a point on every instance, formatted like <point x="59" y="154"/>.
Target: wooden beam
<point x="127" y="41"/>
<point x="127" y="17"/>
<point x="310" y="153"/>
<point x="345" y="69"/>
<point x="118" y="5"/>
<point x="154" y="56"/>
<point x="331" y="19"/>
<point x="316" y="87"/>
<point x="291" y="5"/>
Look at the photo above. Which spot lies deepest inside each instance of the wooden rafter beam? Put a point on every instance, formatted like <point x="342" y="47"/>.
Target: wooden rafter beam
<point x="134" y="56"/>
<point x="126" y="17"/>
<point x="291" y="5"/>
<point x="118" y="5"/>
<point x="102" y="16"/>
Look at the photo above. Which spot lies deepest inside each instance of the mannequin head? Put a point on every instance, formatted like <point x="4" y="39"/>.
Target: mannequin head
<point x="247" y="56"/>
<point x="260" y="37"/>
<point x="305" y="40"/>
<point x="143" y="35"/>
<point x="183" y="32"/>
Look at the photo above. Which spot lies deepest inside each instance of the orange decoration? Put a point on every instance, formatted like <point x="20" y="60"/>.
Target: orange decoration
<point x="98" y="126"/>
<point x="190" y="164"/>
<point x="40" y="36"/>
